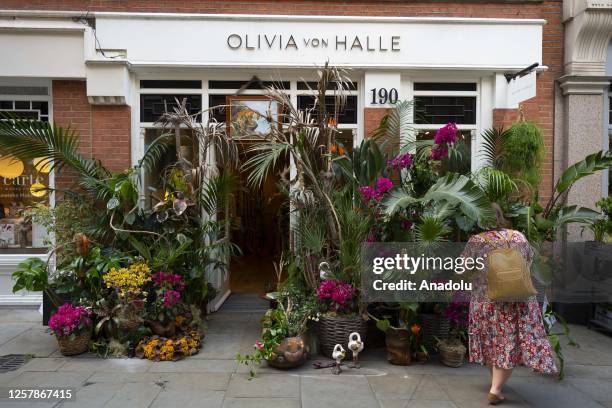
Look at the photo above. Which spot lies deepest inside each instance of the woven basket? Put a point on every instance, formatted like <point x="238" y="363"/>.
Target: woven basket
<point x="79" y="345"/>
<point x="434" y="326"/>
<point x="336" y="329"/>
<point x="451" y="357"/>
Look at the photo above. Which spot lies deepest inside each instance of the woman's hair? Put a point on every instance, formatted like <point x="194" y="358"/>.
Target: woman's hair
<point x="502" y="222"/>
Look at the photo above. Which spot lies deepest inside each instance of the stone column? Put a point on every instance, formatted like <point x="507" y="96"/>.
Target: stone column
<point x="583" y="134"/>
<point x="588" y="30"/>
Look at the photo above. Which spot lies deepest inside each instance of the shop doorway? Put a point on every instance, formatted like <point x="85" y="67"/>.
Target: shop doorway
<point x="260" y="227"/>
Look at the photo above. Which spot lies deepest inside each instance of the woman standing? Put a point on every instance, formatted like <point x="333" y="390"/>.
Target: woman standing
<point x="503" y="335"/>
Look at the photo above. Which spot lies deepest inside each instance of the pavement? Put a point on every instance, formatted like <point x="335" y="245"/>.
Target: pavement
<point x="213" y="379"/>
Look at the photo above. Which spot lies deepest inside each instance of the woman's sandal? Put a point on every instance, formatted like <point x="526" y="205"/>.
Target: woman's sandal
<point x="494" y="399"/>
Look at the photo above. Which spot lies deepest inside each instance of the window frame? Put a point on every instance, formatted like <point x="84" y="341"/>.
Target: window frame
<point x="48" y="98"/>
<point x="484" y="108"/>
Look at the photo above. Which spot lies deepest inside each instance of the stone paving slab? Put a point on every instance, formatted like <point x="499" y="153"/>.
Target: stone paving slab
<point x="213" y="378"/>
<point x="264" y="386"/>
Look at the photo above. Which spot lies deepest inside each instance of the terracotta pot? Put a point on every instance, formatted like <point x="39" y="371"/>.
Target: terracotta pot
<point x="398" y="346"/>
<point x="290" y="353"/>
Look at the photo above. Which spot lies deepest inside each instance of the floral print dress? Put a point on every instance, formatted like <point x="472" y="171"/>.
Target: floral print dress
<point x="505" y="334"/>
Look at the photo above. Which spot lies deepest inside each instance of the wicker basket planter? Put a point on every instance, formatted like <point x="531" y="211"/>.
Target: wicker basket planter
<point x="78" y="345"/>
<point x="434" y="326"/>
<point x="452" y="354"/>
<point x="336" y="329"/>
<point x="291" y="353"/>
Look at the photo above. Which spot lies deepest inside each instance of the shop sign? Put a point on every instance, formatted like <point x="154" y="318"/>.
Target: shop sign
<point x="520" y="89"/>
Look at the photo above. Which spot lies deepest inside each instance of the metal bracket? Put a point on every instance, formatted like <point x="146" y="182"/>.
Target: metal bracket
<point x="522" y="72"/>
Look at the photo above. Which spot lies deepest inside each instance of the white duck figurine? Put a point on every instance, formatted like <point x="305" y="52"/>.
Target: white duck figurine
<point x="324" y="270"/>
<point x="338" y="354"/>
<point x="356" y="346"/>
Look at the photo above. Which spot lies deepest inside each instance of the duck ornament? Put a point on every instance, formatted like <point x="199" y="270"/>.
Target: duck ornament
<point x="356" y="346"/>
<point x="338" y="354"/>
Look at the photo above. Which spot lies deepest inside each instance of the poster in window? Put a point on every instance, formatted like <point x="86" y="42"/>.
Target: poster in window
<point x="252" y="116"/>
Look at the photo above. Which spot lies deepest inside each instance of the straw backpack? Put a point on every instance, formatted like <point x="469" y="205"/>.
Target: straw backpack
<point x="508" y="276"/>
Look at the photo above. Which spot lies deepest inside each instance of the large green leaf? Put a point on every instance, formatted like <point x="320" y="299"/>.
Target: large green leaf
<point x="396" y="200"/>
<point x="575" y="214"/>
<point x="589" y="165"/>
<point x="397" y="125"/>
<point x="459" y="190"/>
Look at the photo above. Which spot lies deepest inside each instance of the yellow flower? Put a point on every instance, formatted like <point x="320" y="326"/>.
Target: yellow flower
<point x="128" y="280"/>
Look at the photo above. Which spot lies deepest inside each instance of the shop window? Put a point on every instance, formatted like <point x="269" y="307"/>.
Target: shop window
<point x="153" y="187"/>
<point x="170" y="84"/>
<point x="153" y="106"/>
<point x="440" y="110"/>
<point x="347" y="116"/>
<point x="252" y="84"/>
<point x="217" y="110"/>
<point x="445" y="86"/>
<point x="22" y="186"/>
<point x="308" y="86"/>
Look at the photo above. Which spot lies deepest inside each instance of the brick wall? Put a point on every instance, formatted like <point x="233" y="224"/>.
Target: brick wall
<point x="104" y="131"/>
<point x="539" y="109"/>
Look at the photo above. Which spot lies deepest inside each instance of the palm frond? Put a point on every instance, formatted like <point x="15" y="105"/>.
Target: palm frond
<point x="430" y="230"/>
<point x="215" y="191"/>
<point x="496" y="184"/>
<point x="493" y="146"/>
<point x="396" y="126"/>
<point x="154" y="152"/>
<point x="458" y="189"/>
<point x="266" y="156"/>
<point x="57" y="146"/>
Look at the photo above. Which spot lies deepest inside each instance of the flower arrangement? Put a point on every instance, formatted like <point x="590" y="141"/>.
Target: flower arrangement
<point x="157" y="348"/>
<point x="128" y="281"/>
<point x="336" y="296"/>
<point x="70" y="321"/>
<point x="168" y="288"/>
<point x="376" y="193"/>
<point x="445" y="137"/>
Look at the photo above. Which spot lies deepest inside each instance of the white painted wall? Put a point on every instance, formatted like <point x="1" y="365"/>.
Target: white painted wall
<point x="42" y="54"/>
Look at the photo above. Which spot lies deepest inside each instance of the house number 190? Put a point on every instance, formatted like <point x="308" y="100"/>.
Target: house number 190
<point x="382" y="96"/>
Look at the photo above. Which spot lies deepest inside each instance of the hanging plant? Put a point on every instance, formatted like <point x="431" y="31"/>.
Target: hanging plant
<point x="524" y="152"/>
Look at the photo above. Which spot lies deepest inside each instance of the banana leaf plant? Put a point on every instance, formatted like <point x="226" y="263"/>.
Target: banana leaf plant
<point x="541" y="224"/>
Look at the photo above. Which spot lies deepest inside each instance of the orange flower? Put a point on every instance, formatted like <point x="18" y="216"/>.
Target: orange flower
<point x="333" y="148"/>
<point x="341" y="151"/>
<point x="415" y="328"/>
<point x="332" y="122"/>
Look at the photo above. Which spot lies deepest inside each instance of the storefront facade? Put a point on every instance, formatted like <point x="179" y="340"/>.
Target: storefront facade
<point x="109" y="71"/>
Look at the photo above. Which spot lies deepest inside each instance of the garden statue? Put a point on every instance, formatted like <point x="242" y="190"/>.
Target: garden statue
<point x="356" y="346"/>
<point x="338" y="355"/>
<point x="324" y="270"/>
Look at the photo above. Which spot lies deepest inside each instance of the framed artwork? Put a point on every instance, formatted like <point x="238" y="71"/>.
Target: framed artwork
<point x="248" y="115"/>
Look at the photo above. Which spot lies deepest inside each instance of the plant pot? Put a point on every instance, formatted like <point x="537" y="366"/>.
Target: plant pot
<point x="290" y="353"/>
<point x="434" y="326"/>
<point x="452" y="355"/>
<point x="398" y="346"/>
<point x="336" y="329"/>
<point x="72" y="347"/>
<point x="162" y="330"/>
<point x="421" y="357"/>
